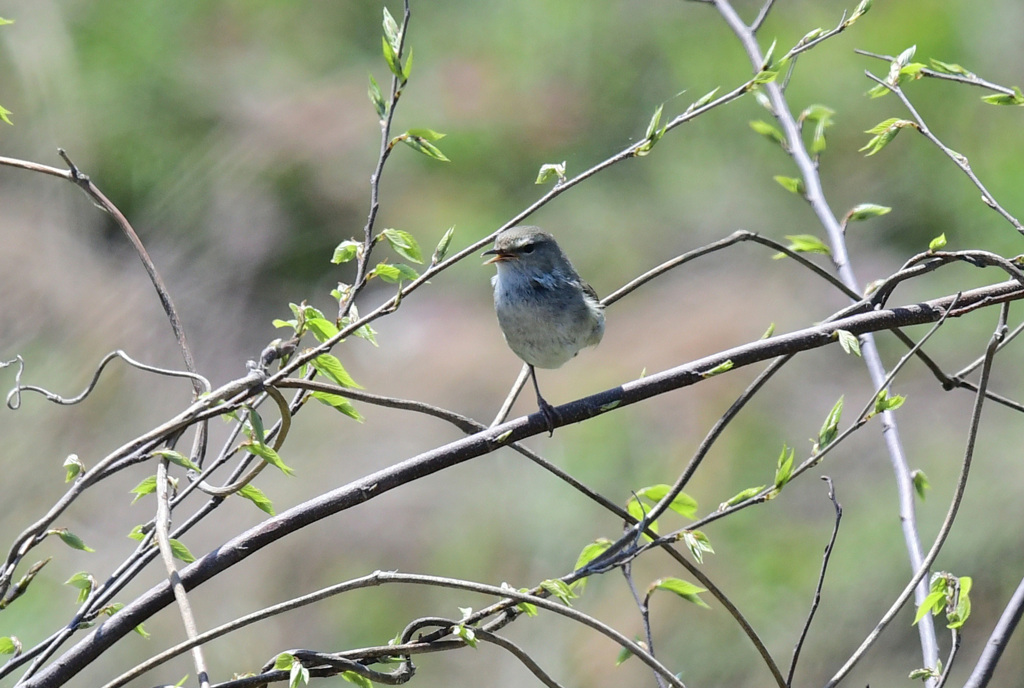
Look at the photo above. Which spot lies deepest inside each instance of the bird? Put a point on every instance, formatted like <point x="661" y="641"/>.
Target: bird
<point x="546" y="312"/>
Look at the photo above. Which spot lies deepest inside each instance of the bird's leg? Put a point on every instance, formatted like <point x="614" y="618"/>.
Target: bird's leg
<point x="546" y="409"/>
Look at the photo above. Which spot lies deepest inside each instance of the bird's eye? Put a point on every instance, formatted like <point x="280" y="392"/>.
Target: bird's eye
<point x="527" y="249"/>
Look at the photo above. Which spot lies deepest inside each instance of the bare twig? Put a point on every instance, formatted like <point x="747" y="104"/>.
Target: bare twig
<point x="163" y="518"/>
<point x="821" y="580"/>
<point x="997" y="640"/>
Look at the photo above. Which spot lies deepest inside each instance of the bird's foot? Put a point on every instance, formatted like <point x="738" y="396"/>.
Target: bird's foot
<point x="550" y="415"/>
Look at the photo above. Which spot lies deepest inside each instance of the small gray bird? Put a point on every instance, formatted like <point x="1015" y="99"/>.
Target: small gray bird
<point x="546" y="312"/>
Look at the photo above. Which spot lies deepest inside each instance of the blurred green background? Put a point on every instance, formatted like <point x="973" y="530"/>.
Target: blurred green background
<point x="238" y="138"/>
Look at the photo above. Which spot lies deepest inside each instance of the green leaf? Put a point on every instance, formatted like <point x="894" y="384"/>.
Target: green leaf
<point x="806" y="243"/>
<point x="704" y="99"/>
<point x="549" y="170"/>
<point x="652" y="126"/>
<point x="683" y="504"/>
<point x="769" y="332"/>
<point x="377" y="98"/>
<point x="698" y="543"/>
<point x="467" y="634"/>
<point x="924" y="673"/>
<point x="180" y="551"/>
<point x="407" y="67"/>
<point x="84" y="583"/>
<point x="765" y="76"/>
<point x="256" y="496"/>
<point x="358" y="679"/>
<point x="284" y="661"/>
<point x="395" y="273"/>
<point x="72" y="540"/>
<point x="688" y="591"/>
<point x="392" y="32"/>
<point x="138" y="533"/>
<point x="768" y="131"/>
<point x="636" y="509"/>
<point x="267" y="454"/>
<point x="346" y="251"/>
<point x="821" y="115"/>
<point x="948" y="68"/>
<point x="921" y="484"/>
<point x="526" y="607"/>
<point x="722" y="367"/>
<point x="767" y="61"/>
<point x="810" y="36"/>
<point x="998" y="99"/>
<point x="426" y="134"/>
<point x="962" y="609"/>
<point x="849" y="342"/>
<point x="791" y="184"/>
<point x="178" y="459"/>
<point x="558" y="589"/>
<point x="784" y="467"/>
<point x="9" y="644"/>
<point x="423" y="146"/>
<point x="258" y="433"/>
<point x="299" y="675"/>
<point x="363" y="332"/>
<point x="938" y="243"/>
<point x="329" y="366"/>
<point x="340" y="403"/>
<point x="865" y="211"/>
<point x="741" y="497"/>
<point x="147" y="486"/>
<point x="858" y="12"/>
<point x="830" y="428"/>
<point x="933" y="603"/>
<point x="4" y="22"/>
<point x="5" y="115"/>
<point x="442" y="246"/>
<point x="391" y="57"/>
<point x="884" y="402"/>
<point x="884" y="133"/>
<point x="625" y="653"/>
<point x="653" y="134"/>
<point x="73" y="467"/>
<point x="322" y="328"/>
<point x="404" y="244"/>
<point x="591" y="552"/>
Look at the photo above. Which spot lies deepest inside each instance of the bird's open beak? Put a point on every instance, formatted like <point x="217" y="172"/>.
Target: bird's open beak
<point x="496" y="256"/>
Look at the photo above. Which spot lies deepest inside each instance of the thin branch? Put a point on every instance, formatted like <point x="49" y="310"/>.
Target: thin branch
<point x="163" y="518"/>
<point x="821" y="580"/>
<point x="997" y="640"/>
<point x="762" y="15"/>
<point x="393" y="577"/>
<point x="953" y="649"/>
<point x="83" y="182"/>
<point x="970" y="78"/>
<point x="523" y="657"/>
<point x="14" y="396"/>
<point x="958" y="159"/>
<point x="947" y="523"/>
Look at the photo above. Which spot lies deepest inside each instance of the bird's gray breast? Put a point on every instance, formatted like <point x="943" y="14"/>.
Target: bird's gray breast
<point x="546" y="317"/>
